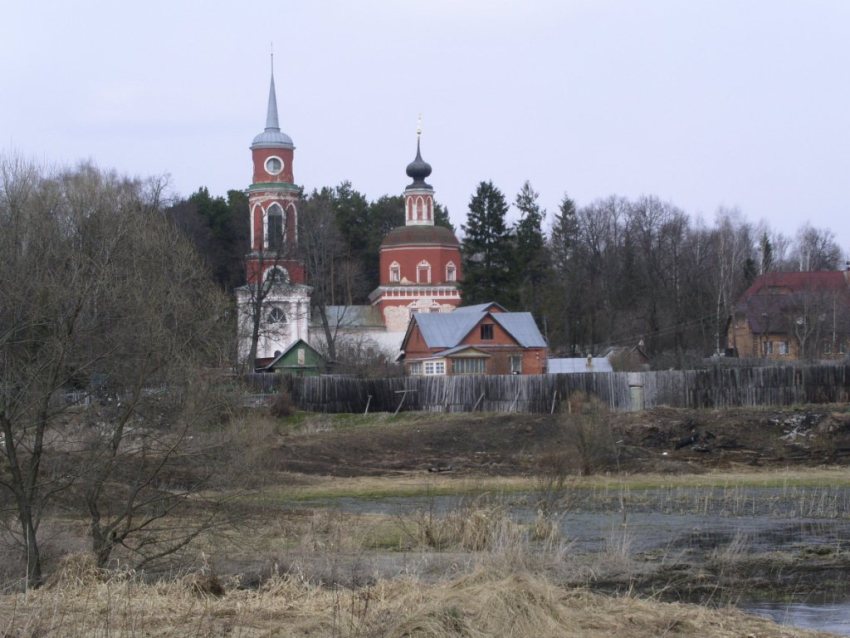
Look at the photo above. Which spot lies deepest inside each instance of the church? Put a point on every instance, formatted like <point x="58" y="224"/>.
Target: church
<point x="420" y="263"/>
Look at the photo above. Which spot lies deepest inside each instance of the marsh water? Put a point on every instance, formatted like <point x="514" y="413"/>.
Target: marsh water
<point x="807" y="528"/>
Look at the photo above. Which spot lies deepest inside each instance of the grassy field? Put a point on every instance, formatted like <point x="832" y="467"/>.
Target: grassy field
<point x="287" y="561"/>
<point x="487" y="601"/>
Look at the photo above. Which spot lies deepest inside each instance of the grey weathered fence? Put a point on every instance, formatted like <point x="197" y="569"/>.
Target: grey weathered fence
<point x="716" y="387"/>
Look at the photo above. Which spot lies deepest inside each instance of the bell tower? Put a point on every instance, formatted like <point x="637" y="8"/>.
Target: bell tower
<point x="274" y="304"/>
<point x="273" y="201"/>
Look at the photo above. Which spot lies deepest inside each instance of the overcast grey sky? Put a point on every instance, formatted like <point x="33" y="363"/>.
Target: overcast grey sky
<point x="702" y="103"/>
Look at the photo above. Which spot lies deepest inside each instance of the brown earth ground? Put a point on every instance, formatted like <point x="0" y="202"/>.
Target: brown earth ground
<point x="287" y="567"/>
<point x="662" y="440"/>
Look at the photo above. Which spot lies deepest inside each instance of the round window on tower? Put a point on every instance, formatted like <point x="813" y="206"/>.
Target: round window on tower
<point x="274" y="165"/>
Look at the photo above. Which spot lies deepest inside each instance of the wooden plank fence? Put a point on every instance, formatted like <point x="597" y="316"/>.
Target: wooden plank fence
<point x="717" y="387"/>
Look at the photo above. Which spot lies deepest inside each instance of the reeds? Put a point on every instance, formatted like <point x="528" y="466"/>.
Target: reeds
<point x="482" y="603"/>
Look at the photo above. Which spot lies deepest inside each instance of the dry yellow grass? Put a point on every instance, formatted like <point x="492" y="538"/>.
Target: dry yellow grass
<point x="417" y="484"/>
<point x="487" y="602"/>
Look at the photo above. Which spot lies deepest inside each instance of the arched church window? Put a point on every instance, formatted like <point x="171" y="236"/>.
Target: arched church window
<point x="276" y="315"/>
<point x="277" y="275"/>
<point x="451" y="272"/>
<point x="430" y="209"/>
<point x="395" y="272"/>
<point x="275" y="227"/>
<point x="423" y="272"/>
<point x="419" y="207"/>
<point x="410" y="208"/>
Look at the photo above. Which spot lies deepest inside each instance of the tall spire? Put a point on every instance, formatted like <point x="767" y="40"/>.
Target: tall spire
<point x="272" y="137"/>
<point x="272" y="123"/>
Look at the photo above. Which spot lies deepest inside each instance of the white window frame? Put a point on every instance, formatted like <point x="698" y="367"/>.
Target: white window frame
<point x="459" y="364"/>
<point x="451" y="271"/>
<point x="435" y="367"/>
<point x="423" y="265"/>
<point x="395" y="272"/>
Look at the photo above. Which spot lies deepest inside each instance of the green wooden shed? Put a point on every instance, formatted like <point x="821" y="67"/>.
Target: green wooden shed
<point x="300" y="360"/>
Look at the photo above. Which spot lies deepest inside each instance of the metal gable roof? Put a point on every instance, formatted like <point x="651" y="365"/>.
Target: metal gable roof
<point x="521" y="326"/>
<point x="446" y="330"/>
<point x="577" y="365"/>
<point x="481" y="307"/>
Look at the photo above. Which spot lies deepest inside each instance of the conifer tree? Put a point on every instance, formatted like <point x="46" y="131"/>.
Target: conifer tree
<point x="487" y="248"/>
<point x="531" y="255"/>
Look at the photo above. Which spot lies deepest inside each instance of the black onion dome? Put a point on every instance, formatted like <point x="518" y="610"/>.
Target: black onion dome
<point x="418" y="169"/>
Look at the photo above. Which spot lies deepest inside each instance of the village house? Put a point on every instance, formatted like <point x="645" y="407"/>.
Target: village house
<point x="793" y="315"/>
<point x="481" y="339"/>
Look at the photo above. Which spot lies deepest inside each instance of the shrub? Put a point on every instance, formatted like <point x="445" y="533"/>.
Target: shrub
<point x="281" y="406"/>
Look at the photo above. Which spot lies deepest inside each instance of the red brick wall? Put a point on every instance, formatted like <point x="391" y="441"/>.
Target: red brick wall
<point x="260" y="156"/>
<point x="409" y="257"/>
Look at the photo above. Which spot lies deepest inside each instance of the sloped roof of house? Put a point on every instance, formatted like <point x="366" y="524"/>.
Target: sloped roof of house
<point x="481" y="307"/>
<point x="766" y="304"/>
<point x="298" y="343"/>
<point x="352" y="317"/>
<point x="447" y="330"/>
<point x="823" y="280"/>
<point x="578" y="364"/>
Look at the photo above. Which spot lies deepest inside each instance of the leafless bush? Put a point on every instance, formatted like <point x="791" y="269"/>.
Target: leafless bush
<point x="281" y="406"/>
<point x="586" y="427"/>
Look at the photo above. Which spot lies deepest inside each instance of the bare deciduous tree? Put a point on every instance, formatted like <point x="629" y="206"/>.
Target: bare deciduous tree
<point x="107" y="323"/>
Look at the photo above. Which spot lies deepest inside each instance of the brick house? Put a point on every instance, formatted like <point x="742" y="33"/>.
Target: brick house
<point x="793" y="315"/>
<point x="482" y="339"/>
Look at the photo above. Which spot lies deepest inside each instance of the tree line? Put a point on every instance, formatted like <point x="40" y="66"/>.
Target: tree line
<point x="614" y="272"/>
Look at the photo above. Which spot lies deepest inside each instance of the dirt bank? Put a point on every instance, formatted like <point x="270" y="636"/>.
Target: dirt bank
<point x="659" y="440"/>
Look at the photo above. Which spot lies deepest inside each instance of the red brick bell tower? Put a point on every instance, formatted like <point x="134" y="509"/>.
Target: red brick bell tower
<point x="272" y="200"/>
<point x="274" y="304"/>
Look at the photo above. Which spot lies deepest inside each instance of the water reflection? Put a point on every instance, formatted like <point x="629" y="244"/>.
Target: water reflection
<point x="832" y="617"/>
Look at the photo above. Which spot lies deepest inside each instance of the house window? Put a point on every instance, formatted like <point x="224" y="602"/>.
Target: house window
<point x="415" y="368"/>
<point x="302" y="356"/>
<point x="395" y="272"/>
<point x="451" y="272"/>
<point x="516" y="364"/>
<point x="276" y="315"/>
<point x="423" y="272"/>
<point x="842" y="347"/>
<point x="275" y="227"/>
<point x="767" y="347"/>
<point x="469" y="366"/>
<point x="486" y="331"/>
<point x="783" y="347"/>
<point x="435" y="367"/>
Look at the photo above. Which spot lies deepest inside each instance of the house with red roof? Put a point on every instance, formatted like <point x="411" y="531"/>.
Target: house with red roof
<point x="793" y="315"/>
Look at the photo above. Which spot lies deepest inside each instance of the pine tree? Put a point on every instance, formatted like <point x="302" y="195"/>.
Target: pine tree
<point x="566" y="293"/>
<point x="487" y="248"/>
<point x="531" y="255"/>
